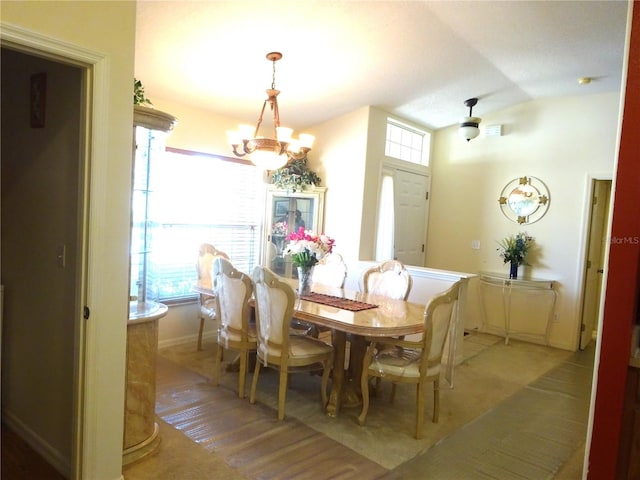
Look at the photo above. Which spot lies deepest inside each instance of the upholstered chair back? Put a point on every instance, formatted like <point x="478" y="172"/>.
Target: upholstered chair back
<point x="390" y="279"/>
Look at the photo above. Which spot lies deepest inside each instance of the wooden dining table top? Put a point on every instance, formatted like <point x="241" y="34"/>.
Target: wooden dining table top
<point x="388" y="318"/>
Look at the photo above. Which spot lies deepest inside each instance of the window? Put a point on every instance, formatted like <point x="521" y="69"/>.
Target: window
<point x="386" y="219"/>
<point x="407" y="143"/>
<point x="195" y="198"/>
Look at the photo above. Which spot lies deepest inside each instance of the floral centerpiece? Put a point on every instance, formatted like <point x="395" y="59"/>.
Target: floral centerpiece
<point x="306" y="249"/>
<point x="513" y="249"/>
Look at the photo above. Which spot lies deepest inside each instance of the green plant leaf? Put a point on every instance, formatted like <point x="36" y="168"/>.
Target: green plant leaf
<point x="139" y="97"/>
<point x="295" y="177"/>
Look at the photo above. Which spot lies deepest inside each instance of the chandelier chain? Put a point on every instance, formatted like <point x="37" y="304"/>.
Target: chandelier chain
<point x="273" y="76"/>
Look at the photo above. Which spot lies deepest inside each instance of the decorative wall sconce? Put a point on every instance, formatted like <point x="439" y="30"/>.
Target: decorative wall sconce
<point x="469" y="125"/>
<point x="275" y="152"/>
<point x="524" y="200"/>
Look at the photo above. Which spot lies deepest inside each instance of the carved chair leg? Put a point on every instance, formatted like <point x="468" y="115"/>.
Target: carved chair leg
<point x="325" y="381"/>
<point x="200" y="332"/>
<point x="420" y="387"/>
<point x="244" y="357"/>
<point x="282" y="393"/>
<point x="364" y="386"/>
<point x="217" y="366"/>
<point x="436" y="400"/>
<point x="392" y="397"/>
<point x="376" y="389"/>
<point x="254" y="383"/>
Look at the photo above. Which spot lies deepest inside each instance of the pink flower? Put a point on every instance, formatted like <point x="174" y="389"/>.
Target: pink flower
<point x="306" y="248"/>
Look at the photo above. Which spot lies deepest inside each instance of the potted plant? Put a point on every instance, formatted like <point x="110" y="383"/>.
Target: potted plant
<point x="295" y="176"/>
<point x="513" y="249"/>
<point x="139" y="97"/>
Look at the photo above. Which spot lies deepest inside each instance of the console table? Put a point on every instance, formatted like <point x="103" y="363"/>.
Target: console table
<point x="522" y="308"/>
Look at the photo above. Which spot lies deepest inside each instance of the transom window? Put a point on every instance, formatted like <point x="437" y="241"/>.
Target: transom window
<point x="408" y="143"/>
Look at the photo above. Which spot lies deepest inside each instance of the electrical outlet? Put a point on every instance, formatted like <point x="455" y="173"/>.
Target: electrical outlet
<point x="475" y="244"/>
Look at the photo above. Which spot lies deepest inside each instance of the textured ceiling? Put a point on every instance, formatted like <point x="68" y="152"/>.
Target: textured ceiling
<point x="417" y="59"/>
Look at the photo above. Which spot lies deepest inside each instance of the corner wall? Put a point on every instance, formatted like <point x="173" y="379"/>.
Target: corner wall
<point x="564" y="142"/>
<point x="109" y="29"/>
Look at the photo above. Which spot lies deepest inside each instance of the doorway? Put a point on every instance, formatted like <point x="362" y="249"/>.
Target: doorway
<point x="42" y="207"/>
<point x="402" y="216"/>
<point x="594" y="261"/>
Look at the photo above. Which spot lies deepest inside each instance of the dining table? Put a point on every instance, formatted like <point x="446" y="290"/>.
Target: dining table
<point x="354" y="315"/>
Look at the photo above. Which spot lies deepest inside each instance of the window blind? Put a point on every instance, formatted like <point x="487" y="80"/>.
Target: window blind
<point x="198" y="198"/>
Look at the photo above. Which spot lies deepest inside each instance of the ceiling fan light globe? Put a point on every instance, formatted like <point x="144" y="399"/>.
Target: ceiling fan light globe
<point x="469" y="128"/>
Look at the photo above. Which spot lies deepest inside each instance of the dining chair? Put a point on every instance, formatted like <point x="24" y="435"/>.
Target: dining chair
<point x="417" y="362"/>
<point x="277" y="347"/>
<point x="235" y="331"/>
<point x="206" y="303"/>
<point x="331" y="272"/>
<point x="390" y="279"/>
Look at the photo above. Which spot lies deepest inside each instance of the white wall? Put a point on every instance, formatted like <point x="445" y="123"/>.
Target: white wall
<point x="197" y="129"/>
<point x="339" y="157"/>
<point x="562" y="141"/>
<point x="105" y="32"/>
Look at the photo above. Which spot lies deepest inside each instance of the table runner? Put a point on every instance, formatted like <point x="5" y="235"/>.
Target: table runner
<point x="339" y="302"/>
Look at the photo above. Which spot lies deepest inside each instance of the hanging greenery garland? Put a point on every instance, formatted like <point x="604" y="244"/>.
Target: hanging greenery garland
<point x="139" y="97"/>
<point x="295" y="177"/>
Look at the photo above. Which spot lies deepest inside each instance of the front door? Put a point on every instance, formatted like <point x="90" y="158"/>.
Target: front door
<point x="410" y="205"/>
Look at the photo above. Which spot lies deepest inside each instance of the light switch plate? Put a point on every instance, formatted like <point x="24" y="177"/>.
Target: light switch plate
<point x="475" y="244"/>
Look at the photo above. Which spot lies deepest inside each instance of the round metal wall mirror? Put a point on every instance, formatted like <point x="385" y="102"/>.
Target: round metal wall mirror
<point x="524" y="200"/>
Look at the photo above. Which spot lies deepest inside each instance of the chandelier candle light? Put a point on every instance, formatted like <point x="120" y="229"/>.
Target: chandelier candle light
<point x="275" y="152"/>
<point x="306" y="249"/>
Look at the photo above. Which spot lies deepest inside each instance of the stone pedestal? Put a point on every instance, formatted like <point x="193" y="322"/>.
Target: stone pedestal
<point x="140" y="427"/>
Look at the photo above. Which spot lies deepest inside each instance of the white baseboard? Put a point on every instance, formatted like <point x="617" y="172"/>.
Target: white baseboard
<point x="53" y="456"/>
<point x="172" y="342"/>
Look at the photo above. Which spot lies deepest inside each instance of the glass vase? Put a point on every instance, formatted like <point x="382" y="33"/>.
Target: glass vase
<point x="513" y="270"/>
<point x="305" y="274"/>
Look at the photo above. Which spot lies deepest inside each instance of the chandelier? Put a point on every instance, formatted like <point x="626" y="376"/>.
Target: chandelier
<point x="270" y="153"/>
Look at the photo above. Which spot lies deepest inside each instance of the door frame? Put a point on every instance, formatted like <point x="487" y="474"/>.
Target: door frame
<point x="94" y="119"/>
<point x="584" y="252"/>
<point x="391" y="166"/>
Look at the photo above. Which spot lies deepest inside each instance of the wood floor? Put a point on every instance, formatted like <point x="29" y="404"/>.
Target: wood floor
<point x="252" y="440"/>
<point x="208" y="432"/>
<point x="21" y="462"/>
